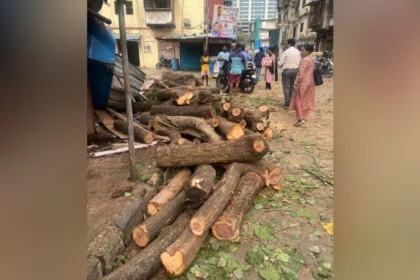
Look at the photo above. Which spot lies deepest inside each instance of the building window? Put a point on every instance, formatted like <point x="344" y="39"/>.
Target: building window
<point x="294" y="32"/>
<point x="128" y="7"/>
<point x="301" y="26"/>
<point x="157" y="4"/>
<point x="303" y="3"/>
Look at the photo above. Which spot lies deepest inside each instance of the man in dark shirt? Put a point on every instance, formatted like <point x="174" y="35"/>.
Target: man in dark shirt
<point x="258" y="59"/>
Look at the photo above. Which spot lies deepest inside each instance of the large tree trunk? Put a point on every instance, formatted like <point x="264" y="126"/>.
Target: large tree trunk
<point x="139" y="134"/>
<point x="148" y="230"/>
<point x="169" y="191"/>
<point x="177" y="139"/>
<point x="192" y="126"/>
<point x="144" y="106"/>
<point x="228" y="225"/>
<point x="147" y="262"/>
<point x="269" y="172"/>
<point x="180" y="78"/>
<point x="146" y="119"/>
<point x="246" y="149"/>
<point x="180" y="255"/>
<point x="214" y="206"/>
<point x="199" y="186"/>
<point x="199" y="111"/>
<point x="206" y="96"/>
<point x="230" y="130"/>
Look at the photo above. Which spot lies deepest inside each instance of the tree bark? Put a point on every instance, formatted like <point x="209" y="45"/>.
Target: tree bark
<point x="171" y="84"/>
<point x="144" y="106"/>
<point x="177" y="139"/>
<point x="180" y="255"/>
<point x="258" y="127"/>
<point x="146" y="119"/>
<point x="168" y="192"/>
<point x="148" y="230"/>
<point x="199" y="186"/>
<point x="199" y="111"/>
<point x="139" y="134"/>
<point x="246" y="149"/>
<point x="264" y="112"/>
<point x="252" y="117"/>
<point x="236" y="115"/>
<point x="214" y="206"/>
<point x="192" y="126"/>
<point x="230" y="130"/>
<point x="147" y="262"/>
<point x="214" y="90"/>
<point x="206" y="96"/>
<point x="228" y="225"/>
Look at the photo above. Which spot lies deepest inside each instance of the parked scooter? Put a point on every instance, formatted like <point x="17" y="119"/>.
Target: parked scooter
<point x="163" y="62"/>
<point x="327" y="67"/>
<point x="247" y="83"/>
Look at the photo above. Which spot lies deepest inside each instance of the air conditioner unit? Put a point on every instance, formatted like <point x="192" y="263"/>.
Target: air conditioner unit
<point x="187" y="22"/>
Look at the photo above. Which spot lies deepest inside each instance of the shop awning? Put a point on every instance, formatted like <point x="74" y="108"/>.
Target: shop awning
<point x="314" y="2"/>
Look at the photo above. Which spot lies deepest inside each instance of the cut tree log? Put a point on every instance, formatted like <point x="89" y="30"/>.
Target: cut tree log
<point x="213" y="122"/>
<point x="214" y="90"/>
<point x="216" y="203"/>
<point x="139" y="106"/>
<point x="148" y="230"/>
<point x="269" y="172"/>
<point x="180" y="78"/>
<point x="147" y="262"/>
<point x="139" y="134"/>
<point x="226" y="106"/>
<point x="181" y="254"/>
<point x="230" y="130"/>
<point x="246" y="149"/>
<point x="206" y="96"/>
<point x="242" y="123"/>
<point x="176" y="139"/>
<point x="268" y="133"/>
<point x="171" y="84"/>
<point x="200" y="186"/>
<point x="258" y="127"/>
<point x="252" y="117"/>
<point x="199" y="111"/>
<point x="182" y="98"/>
<point x="196" y="141"/>
<point x="121" y="117"/>
<point x="274" y="173"/>
<point x="146" y="119"/>
<point x="236" y="115"/>
<point x="249" y="132"/>
<point x="264" y="112"/>
<point x="227" y="226"/>
<point x="195" y="127"/>
<point x="169" y="191"/>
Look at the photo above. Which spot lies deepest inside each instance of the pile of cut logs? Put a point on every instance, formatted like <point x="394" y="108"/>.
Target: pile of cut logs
<point x="179" y="103"/>
<point x="194" y="203"/>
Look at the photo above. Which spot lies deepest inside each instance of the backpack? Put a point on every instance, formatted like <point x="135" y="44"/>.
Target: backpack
<point x="318" y="75"/>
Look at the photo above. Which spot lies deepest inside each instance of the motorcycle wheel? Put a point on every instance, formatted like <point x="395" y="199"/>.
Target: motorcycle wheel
<point x="329" y="73"/>
<point x="222" y="82"/>
<point x="158" y="66"/>
<point x="247" y="86"/>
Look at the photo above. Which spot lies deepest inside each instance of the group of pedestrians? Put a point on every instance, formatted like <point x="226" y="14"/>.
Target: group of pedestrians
<point x="297" y="77"/>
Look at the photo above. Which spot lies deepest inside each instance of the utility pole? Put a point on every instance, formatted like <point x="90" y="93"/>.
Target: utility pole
<point x="206" y="24"/>
<point x="127" y="86"/>
<point x="279" y="22"/>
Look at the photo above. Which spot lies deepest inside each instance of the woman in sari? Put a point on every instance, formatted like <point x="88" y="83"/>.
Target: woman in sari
<point x="303" y="99"/>
<point x="269" y="70"/>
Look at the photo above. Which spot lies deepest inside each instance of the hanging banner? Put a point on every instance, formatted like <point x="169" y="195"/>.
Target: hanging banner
<point x="224" y="23"/>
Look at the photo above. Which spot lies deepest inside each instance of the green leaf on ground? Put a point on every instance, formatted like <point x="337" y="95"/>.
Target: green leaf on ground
<point x="214" y="243"/>
<point x="265" y="233"/>
<point x="239" y="273"/>
<point x="269" y="274"/>
<point x="315" y="236"/>
<point x="293" y="237"/>
<point x="139" y="166"/>
<point x="283" y="257"/>
<point x="290" y="177"/>
<point x="254" y="258"/>
<point x="307" y="213"/>
<point x="259" y="206"/>
<point x="127" y="194"/>
<point x="144" y="177"/>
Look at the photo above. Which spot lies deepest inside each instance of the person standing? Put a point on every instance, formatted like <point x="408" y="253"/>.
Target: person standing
<point x="289" y="63"/>
<point x="223" y="58"/>
<point x="257" y="60"/>
<point x="303" y="99"/>
<point x="236" y="62"/>
<point x="205" y="67"/>
<point x="269" y="69"/>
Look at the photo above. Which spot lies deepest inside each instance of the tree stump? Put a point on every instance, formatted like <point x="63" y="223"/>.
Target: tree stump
<point x="246" y="149"/>
<point x="228" y="225"/>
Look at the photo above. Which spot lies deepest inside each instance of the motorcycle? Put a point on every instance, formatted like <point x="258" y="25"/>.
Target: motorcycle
<point x="327" y="67"/>
<point x="163" y="62"/>
<point x="247" y="83"/>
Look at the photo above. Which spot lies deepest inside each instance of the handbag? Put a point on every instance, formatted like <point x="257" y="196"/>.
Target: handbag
<point x="318" y="75"/>
<point x="266" y="62"/>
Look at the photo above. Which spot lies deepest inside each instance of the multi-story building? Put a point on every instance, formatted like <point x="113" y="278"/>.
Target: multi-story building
<point x="321" y="21"/>
<point x="250" y="10"/>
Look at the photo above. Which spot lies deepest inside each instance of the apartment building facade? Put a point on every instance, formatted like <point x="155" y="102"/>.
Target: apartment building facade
<point x="250" y="10"/>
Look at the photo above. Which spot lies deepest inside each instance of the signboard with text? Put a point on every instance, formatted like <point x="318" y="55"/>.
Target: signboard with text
<point x="224" y="23"/>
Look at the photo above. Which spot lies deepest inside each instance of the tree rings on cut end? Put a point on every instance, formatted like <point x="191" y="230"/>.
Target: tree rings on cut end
<point x="258" y="146"/>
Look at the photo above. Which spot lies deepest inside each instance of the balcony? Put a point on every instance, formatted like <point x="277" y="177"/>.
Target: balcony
<point x="160" y="13"/>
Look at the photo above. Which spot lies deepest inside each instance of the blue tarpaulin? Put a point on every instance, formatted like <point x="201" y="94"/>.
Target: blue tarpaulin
<point x="101" y="58"/>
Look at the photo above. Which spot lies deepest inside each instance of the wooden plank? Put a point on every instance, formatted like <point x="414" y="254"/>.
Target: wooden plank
<point x="107" y="119"/>
<point x="90" y="115"/>
<point x="123" y="149"/>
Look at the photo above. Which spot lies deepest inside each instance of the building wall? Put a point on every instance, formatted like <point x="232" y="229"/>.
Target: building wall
<point x="148" y="44"/>
<point x="250" y="10"/>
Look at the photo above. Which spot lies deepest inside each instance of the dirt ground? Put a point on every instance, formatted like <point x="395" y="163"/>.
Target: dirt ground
<point x="282" y="236"/>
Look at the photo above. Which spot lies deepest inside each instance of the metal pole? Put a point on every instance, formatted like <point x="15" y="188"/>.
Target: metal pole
<point x="206" y="24"/>
<point x="127" y="85"/>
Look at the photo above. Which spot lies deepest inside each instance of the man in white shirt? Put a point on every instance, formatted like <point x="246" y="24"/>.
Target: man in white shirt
<point x="289" y="63"/>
